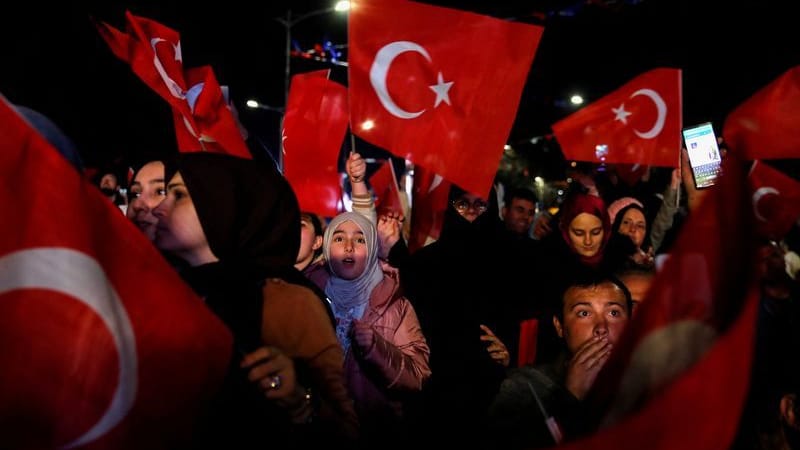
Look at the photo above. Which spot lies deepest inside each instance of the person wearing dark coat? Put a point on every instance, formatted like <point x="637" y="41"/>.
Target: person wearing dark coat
<point x="235" y="223"/>
<point x="464" y="290"/>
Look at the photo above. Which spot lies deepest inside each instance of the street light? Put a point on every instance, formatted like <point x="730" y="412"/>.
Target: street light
<point x="288" y="22"/>
<point x="254" y="104"/>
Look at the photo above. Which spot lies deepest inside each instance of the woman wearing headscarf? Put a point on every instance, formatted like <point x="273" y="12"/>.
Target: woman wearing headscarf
<point x="235" y="223"/>
<point x="629" y="219"/>
<point x="385" y="351"/>
<point x="467" y="294"/>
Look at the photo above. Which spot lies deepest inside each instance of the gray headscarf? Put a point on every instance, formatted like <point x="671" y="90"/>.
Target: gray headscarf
<point x="350" y="297"/>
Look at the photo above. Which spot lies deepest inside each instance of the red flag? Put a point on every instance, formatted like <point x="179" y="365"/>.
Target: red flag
<point x="679" y="375"/>
<point x="639" y="123"/>
<point x="313" y="130"/>
<point x="429" y="201"/>
<point x="218" y="128"/>
<point x="103" y="345"/>
<point x="765" y="126"/>
<point x="438" y="86"/>
<point x="384" y="186"/>
<point x="202" y="119"/>
<point x="776" y="201"/>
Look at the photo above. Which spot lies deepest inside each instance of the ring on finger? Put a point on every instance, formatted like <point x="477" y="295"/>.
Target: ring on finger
<point x="275" y="382"/>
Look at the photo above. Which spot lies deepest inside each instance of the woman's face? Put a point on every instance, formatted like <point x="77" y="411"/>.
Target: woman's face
<point x="348" y="250"/>
<point x="586" y="234"/>
<point x="146" y="192"/>
<point x="634" y="225"/>
<point x="179" y="231"/>
<point x="470" y="206"/>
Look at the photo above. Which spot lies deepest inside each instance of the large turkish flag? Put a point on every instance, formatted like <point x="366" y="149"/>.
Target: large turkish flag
<point x="438" y="86"/>
<point x="639" y="123"/>
<point x="103" y="345"/>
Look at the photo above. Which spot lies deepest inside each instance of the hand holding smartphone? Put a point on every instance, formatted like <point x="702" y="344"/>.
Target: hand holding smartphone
<point x="704" y="156"/>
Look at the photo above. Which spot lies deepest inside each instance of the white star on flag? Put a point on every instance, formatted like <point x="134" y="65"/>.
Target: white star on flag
<point x="441" y="88"/>
<point x="621" y="114"/>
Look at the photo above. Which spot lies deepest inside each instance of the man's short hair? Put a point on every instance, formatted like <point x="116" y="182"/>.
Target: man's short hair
<point x="519" y="192"/>
<point x="586" y="278"/>
<point x="636" y="270"/>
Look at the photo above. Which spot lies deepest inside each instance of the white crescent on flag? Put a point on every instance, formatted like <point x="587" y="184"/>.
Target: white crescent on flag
<point x="380" y="68"/>
<point x="661" y="107"/>
<point x="173" y="87"/>
<point x="760" y="192"/>
<point x="81" y="277"/>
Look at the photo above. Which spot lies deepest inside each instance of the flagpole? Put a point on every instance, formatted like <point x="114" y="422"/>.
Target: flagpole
<point x="288" y="22"/>
<point x="680" y="169"/>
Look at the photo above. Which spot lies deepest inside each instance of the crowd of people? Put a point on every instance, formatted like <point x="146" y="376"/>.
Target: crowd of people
<point x="344" y="338"/>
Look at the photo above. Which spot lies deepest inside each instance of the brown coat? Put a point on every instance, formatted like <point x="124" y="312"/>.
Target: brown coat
<point x="295" y="321"/>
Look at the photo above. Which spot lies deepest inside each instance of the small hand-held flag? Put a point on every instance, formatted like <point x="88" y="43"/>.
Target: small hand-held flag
<point x="313" y="130"/>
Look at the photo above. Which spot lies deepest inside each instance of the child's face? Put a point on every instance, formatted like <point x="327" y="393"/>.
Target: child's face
<point x="348" y="251"/>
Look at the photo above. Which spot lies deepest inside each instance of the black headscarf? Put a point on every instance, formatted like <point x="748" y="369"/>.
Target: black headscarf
<point x="251" y="220"/>
<point x="248" y="211"/>
<point x="455" y="228"/>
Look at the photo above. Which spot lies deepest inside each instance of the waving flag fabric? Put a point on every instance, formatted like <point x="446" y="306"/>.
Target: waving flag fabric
<point x="387" y="193"/>
<point x="765" y="126"/>
<point x="202" y="119"/>
<point x="103" y="345"/>
<point x="679" y="375"/>
<point x="438" y="86"/>
<point x="776" y="201"/>
<point x="429" y="201"/>
<point x="639" y="123"/>
<point x="313" y="130"/>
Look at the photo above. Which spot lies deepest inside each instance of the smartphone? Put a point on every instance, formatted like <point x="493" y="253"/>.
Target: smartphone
<point x="704" y="157"/>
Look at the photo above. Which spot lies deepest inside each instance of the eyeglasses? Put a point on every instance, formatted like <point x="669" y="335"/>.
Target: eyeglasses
<point x="463" y="205"/>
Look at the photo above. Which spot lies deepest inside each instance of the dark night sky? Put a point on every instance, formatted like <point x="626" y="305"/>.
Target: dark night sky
<point x="54" y="61"/>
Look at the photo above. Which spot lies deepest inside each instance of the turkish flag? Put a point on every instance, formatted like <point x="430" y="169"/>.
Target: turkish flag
<point x="313" y="130"/>
<point x="776" y="201"/>
<point x="765" y="126"/>
<point x="218" y="129"/>
<point x="679" y="375"/>
<point x="438" y="86"/>
<point x="103" y="345"/>
<point x="384" y="186"/>
<point x="428" y="204"/>
<point x="202" y="119"/>
<point x="639" y="123"/>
